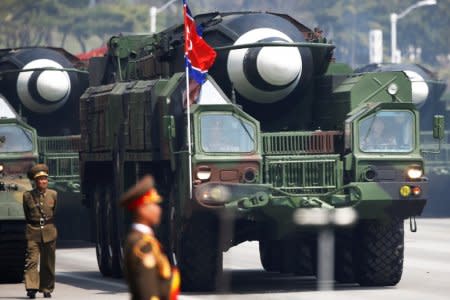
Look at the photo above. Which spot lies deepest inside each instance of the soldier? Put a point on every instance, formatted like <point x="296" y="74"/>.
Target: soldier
<point x="39" y="206"/>
<point x="147" y="270"/>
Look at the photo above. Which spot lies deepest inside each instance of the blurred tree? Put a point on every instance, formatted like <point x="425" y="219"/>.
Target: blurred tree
<point x="33" y="23"/>
<point x="345" y="22"/>
<point x="27" y="22"/>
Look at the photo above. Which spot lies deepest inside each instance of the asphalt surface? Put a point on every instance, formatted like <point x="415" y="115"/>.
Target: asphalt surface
<point x="426" y="274"/>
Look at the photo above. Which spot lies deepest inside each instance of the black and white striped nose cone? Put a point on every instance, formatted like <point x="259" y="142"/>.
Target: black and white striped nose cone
<point x="419" y="88"/>
<point x="43" y="91"/>
<point x="264" y="74"/>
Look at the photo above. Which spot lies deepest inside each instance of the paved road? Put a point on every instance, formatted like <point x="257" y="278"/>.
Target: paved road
<point x="426" y="274"/>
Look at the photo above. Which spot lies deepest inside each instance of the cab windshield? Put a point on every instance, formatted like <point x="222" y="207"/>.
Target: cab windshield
<point x="226" y="133"/>
<point x="387" y="131"/>
<point x="14" y="138"/>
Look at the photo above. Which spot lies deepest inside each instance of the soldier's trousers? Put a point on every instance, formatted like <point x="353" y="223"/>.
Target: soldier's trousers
<point x="42" y="254"/>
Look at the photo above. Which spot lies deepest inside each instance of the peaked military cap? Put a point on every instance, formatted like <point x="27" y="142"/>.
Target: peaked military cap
<point x="38" y="171"/>
<point x="142" y="192"/>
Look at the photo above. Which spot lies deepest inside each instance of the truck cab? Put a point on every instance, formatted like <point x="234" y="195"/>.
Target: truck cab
<point x="18" y="153"/>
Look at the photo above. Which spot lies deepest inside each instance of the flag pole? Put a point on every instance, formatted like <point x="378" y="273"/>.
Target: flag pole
<point x="188" y="113"/>
<point x="198" y="64"/>
<point x="188" y="100"/>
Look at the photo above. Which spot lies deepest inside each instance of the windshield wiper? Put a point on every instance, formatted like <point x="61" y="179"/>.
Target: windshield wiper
<point x="243" y="126"/>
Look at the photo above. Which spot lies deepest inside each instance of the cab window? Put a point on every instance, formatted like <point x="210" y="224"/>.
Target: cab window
<point x="226" y="133"/>
<point x="387" y="131"/>
<point x="14" y="138"/>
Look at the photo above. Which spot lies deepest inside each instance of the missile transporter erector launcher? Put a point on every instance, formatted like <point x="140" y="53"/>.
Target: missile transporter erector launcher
<point x="278" y="126"/>
<point x="37" y="105"/>
<point x="18" y="153"/>
<point x="428" y="95"/>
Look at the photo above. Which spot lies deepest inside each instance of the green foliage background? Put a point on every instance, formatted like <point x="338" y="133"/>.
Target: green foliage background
<point x="81" y="25"/>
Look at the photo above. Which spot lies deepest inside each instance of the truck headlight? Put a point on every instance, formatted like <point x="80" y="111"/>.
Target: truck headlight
<point x="215" y="194"/>
<point x="1" y="168"/>
<point x="414" y="172"/>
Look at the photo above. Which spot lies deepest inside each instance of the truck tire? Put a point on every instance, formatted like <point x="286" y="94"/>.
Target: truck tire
<point x="304" y="257"/>
<point x="166" y="232"/>
<point x="200" y="258"/>
<point x="104" y="258"/>
<point x="270" y="255"/>
<point x="344" y="267"/>
<point x="113" y="240"/>
<point x="380" y="253"/>
<point x="12" y="257"/>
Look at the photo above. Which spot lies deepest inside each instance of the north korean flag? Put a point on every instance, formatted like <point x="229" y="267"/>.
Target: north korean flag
<point x="199" y="56"/>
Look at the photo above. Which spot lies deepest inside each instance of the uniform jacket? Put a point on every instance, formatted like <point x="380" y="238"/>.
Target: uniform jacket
<point x="35" y="207"/>
<point x="147" y="269"/>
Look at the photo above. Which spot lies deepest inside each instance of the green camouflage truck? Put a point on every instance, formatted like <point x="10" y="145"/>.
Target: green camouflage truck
<point x="430" y="98"/>
<point x="18" y="152"/>
<point x="43" y="85"/>
<point x="278" y="126"/>
<point x="20" y="149"/>
<point x="38" y="123"/>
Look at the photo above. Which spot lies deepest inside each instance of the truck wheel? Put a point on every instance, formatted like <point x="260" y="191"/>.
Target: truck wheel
<point x="344" y="269"/>
<point x="304" y="257"/>
<point x="12" y="258"/>
<point x="200" y="258"/>
<point x="380" y="253"/>
<point x="166" y="230"/>
<point x="101" y="245"/>
<point x="114" y="246"/>
<point x="270" y="255"/>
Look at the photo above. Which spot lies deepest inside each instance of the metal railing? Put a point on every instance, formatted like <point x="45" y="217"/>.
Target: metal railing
<point x="59" y="144"/>
<point x="60" y="154"/>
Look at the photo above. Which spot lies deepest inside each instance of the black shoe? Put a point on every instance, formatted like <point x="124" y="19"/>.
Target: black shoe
<point x="47" y="295"/>
<point x="31" y="294"/>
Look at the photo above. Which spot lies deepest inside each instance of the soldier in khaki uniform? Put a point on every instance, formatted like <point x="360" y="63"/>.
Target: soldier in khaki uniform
<point x="39" y="207"/>
<point x="147" y="270"/>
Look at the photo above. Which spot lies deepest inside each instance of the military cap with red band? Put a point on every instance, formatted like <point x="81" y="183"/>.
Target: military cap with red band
<point x="142" y="192"/>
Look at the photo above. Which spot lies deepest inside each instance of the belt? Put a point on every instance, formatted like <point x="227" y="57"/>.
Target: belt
<point x="41" y="222"/>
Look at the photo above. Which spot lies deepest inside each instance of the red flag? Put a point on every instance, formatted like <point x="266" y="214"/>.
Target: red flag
<point x="199" y="56"/>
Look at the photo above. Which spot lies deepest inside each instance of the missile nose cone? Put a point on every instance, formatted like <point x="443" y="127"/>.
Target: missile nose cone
<point x="53" y="86"/>
<point x="265" y="74"/>
<point x="419" y="88"/>
<point x="43" y="91"/>
<point x="279" y="66"/>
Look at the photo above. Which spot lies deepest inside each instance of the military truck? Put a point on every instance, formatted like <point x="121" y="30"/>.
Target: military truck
<point x="277" y="126"/>
<point x="36" y="99"/>
<point x="41" y="87"/>
<point x="18" y="152"/>
<point x="20" y="149"/>
<point x="430" y="100"/>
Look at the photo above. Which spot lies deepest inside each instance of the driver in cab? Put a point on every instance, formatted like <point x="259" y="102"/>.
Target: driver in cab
<point x="378" y="136"/>
<point x="216" y="138"/>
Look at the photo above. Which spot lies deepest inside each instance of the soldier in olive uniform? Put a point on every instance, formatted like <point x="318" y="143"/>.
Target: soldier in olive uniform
<point x="39" y="207"/>
<point x="147" y="270"/>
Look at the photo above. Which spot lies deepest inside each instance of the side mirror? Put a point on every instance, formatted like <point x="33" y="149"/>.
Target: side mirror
<point x="169" y="132"/>
<point x="169" y="127"/>
<point x="438" y="127"/>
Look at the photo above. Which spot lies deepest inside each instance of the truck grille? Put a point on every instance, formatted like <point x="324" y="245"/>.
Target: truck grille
<point x="302" y="163"/>
<point x="303" y="175"/>
<point x="307" y="142"/>
<point x="60" y="154"/>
